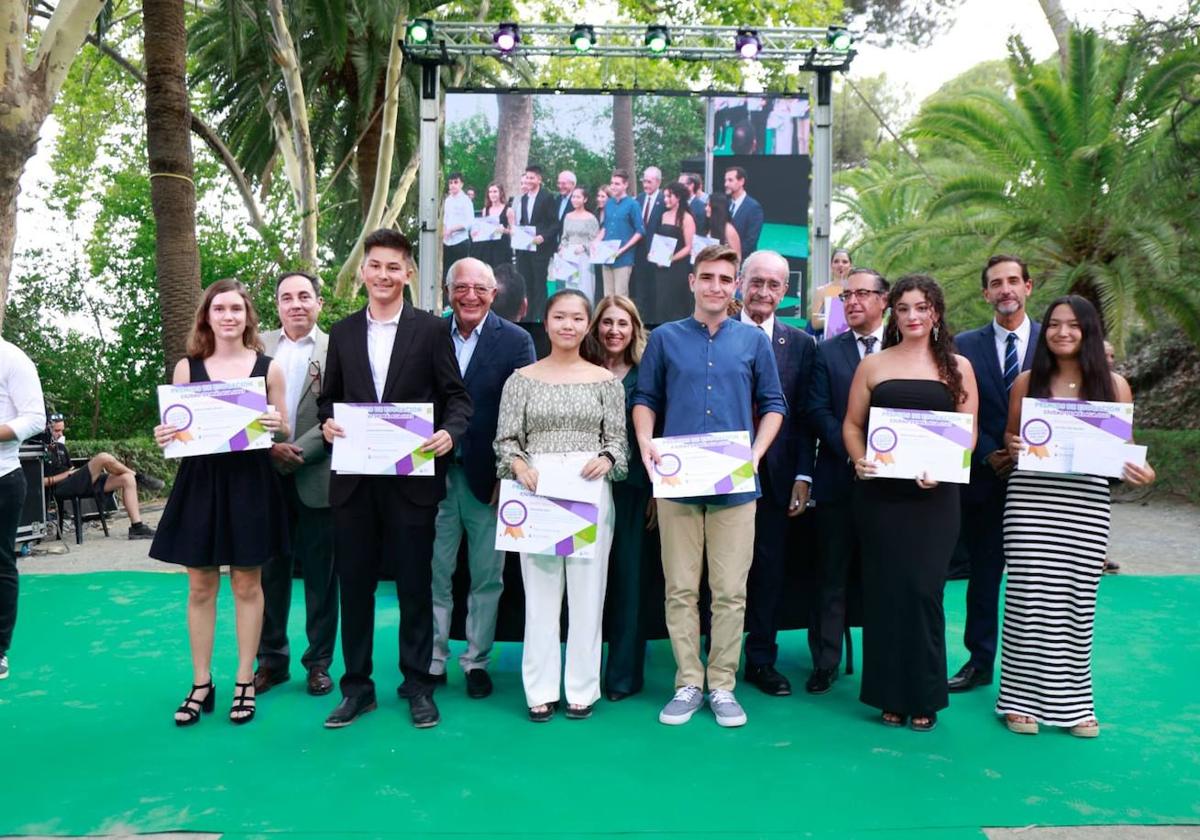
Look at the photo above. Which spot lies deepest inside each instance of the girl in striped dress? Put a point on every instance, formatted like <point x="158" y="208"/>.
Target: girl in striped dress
<point x="1056" y="537"/>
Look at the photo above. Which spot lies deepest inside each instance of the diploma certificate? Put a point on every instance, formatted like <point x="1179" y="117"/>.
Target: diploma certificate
<point x="604" y="251"/>
<point x="383" y="439"/>
<point x="1076" y="436"/>
<point x="214" y="417"/>
<point x="662" y="248"/>
<point x="906" y="443"/>
<point x="713" y="464"/>
<point x="536" y="524"/>
<point x="522" y="238"/>
<point x="485" y="231"/>
<point x="699" y="243"/>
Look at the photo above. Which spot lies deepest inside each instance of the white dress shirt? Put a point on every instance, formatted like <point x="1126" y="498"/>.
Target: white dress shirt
<point x="381" y="335"/>
<point x="457" y="210"/>
<point x="22" y="407"/>
<point x="294" y="357"/>
<point x="530" y="199"/>
<point x="768" y="326"/>
<point x="648" y="205"/>
<point x="862" y="350"/>
<point x="735" y="204"/>
<point x="464" y="348"/>
<point x="1001" y="335"/>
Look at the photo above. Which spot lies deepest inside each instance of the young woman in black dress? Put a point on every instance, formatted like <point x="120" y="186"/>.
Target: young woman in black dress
<point x="673" y="297"/>
<point x="225" y="509"/>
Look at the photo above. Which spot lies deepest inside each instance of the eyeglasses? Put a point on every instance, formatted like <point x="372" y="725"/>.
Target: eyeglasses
<point x="479" y="289"/>
<point x="862" y="294"/>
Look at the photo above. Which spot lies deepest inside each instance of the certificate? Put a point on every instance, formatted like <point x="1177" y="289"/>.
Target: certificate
<point x="483" y="230"/>
<point x="906" y="443"/>
<point x="536" y="524"/>
<point x="562" y="268"/>
<point x="522" y="238"/>
<point x="214" y="417"/>
<point x="699" y="243"/>
<point x="383" y="439"/>
<point x="560" y="477"/>
<point x="1076" y="436"/>
<point x="662" y="248"/>
<point x="713" y="464"/>
<point x="604" y="251"/>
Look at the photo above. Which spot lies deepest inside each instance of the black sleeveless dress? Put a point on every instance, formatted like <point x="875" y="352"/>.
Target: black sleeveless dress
<point x="908" y="536"/>
<point x="672" y="298"/>
<point x="226" y="509"/>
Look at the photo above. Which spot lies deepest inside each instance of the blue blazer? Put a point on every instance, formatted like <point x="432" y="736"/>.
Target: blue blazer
<point x="836" y="361"/>
<point x="979" y="347"/>
<point x="748" y="222"/>
<point x="503" y="347"/>
<point x="791" y="452"/>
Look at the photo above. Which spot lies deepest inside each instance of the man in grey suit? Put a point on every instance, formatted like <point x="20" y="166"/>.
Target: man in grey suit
<point x="303" y="462"/>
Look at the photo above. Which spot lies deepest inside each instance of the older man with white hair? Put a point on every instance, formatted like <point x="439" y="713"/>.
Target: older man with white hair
<point x="785" y="472"/>
<point x="566" y="182"/>
<point x="651" y="207"/>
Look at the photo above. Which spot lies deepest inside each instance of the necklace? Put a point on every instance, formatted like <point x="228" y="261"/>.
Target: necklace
<point x="1072" y="385"/>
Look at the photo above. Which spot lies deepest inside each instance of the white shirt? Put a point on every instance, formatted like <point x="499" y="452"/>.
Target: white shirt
<point x="1001" y="335"/>
<point x="458" y="211"/>
<point x="530" y="199"/>
<point x="22" y="407"/>
<point x="734" y="204"/>
<point x="862" y="350"/>
<point x="464" y="348"/>
<point x="648" y="205"/>
<point x="294" y="357"/>
<point x="768" y="326"/>
<point x="381" y="335"/>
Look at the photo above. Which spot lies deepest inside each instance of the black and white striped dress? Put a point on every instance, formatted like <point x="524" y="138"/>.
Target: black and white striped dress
<point x="1055" y="540"/>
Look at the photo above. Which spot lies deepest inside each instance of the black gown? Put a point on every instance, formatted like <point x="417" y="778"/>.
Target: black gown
<point x="225" y="509"/>
<point x="908" y="536"/>
<point x="672" y="298"/>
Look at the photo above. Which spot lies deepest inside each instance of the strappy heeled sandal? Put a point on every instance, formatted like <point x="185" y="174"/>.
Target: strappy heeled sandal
<point x="242" y="702"/>
<point x="191" y="707"/>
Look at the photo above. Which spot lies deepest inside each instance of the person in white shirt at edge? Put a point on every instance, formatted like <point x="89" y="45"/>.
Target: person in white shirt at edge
<point x="458" y="212"/>
<point x="22" y="415"/>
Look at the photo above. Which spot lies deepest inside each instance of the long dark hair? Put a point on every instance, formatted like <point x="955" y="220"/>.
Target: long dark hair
<point x="589" y="349"/>
<point x="1097" y="381"/>
<point x="681" y="200"/>
<point x="941" y="341"/>
<point x="719" y="202"/>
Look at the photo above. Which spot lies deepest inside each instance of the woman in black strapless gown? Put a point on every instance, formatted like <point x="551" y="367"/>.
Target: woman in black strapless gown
<point x="908" y="529"/>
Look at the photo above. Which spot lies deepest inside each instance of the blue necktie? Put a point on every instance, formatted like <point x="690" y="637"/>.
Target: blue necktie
<point x="1011" y="365"/>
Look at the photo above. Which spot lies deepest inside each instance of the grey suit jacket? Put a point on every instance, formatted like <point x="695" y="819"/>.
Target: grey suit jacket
<point x="312" y="479"/>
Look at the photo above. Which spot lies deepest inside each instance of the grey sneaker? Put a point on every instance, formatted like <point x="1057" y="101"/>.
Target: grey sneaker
<point x="726" y="708"/>
<point x="3" y="667"/>
<point x="683" y="705"/>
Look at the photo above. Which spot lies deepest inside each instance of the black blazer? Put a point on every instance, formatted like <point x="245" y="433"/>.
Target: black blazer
<point x="422" y="369"/>
<point x="503" y="347"/>
<point x="543" y="215"/>
<point x="836" y="361"/>
<point x="791" y="453"/>
<point x="656" y="213"/>
<point x="979" y="347"/>
<point x="748" y="222"/>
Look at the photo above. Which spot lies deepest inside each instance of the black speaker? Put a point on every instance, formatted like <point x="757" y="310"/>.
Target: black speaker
<point x="33" y="516"/>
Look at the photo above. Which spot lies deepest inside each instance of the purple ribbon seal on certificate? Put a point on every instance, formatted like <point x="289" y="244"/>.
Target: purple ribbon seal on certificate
<point x="1037" y="432"/>
<point x="177" y="415"/>
<point x="667" y="471"/>
<point x="884" y="439"/>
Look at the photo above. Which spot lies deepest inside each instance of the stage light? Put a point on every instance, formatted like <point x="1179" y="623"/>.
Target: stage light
<point x="419" y="31"/>
<point x="839" y="38"/>
<point x="747" y="43"/>
<point x="506" y="37"/>
<point x="657" y="38"/>
<point x="583" y="37"/>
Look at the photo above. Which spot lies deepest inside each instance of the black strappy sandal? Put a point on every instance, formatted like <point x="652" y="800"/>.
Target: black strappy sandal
<point x="191" y="707"/>
<point x="242" y="702"/>
<point x="928" y="726"/>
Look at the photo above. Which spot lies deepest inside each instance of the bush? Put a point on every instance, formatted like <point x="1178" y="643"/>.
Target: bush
<point x="1174" y="455"/>
<point x="140" y="454"/>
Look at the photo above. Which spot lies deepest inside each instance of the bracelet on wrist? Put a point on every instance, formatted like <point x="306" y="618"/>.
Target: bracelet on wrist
<point x="611" y="459"/>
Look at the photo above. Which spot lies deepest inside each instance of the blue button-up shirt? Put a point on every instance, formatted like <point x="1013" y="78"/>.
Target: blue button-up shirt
<point x="622" y="219"/>
<point x="464" y="348"/>
<point x="695" y="382"/>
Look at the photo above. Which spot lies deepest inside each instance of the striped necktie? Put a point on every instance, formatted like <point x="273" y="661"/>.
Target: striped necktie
<point x="868" y="343"/>
<point x="1011" y="365"/>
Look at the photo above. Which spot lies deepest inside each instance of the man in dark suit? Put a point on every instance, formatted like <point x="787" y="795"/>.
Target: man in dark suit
<point x="744" y="211"/>
<point x="785" y="473"/>
<point x="488" y="350"/>
<point x="696" y="198"/>
<point x="997" y="351"/>
<point x="389" y="351"/>
<point x="566" y="185"/>
<point x="651" y="206"/>
<point x="536" y="208"/>
<point x="864" y="298"/>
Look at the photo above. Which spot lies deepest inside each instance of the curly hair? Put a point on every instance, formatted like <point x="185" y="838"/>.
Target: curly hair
<point x="941" y="341"/>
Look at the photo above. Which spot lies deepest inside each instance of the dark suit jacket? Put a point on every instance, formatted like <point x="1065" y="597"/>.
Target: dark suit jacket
<point x="543" y="215"/>
<point x="696" y="206"/>
<point x="422" y="369"/>
<point x="748" y="222"/>
<point x="656" y="214"/>
<point x="979" y="347"/>
<point x="836" y="361"/>
<point x="791" y="452"/>
<point x="503" y="347"/>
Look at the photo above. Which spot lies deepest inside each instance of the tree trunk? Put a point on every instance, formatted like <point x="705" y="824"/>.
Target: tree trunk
<point x="622" y="128"/>
<point x="513" y="136"/>
<point x="1061" y="26"/>
<point x="366" y="156"/>
<point x="172" y="191"/>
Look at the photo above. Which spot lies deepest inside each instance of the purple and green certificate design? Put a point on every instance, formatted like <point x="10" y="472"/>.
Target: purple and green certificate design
<point x="1059" y="435"/>
<point x="383" y="439"/>
<point x="542" y="525"/>
<point x="712" y="464"/>
<point x="910" y="443"/>
<point x="211" y="418"/>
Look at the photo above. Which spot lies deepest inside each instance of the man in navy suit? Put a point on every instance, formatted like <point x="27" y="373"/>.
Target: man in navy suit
<point x="998" y="351"/>
<point x="785" y="473"/>
<point x="651" y="207"/>
<point x="488" y="350"/>
<point x="864" y="299"/>
<point x="744" y="211"/>
<point x="536" y="208"/>
<point x="696" y="198"/>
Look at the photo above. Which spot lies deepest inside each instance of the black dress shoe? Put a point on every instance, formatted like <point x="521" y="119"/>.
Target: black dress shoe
<point x="614" y="695"/>
<point x="768" y="680"/>
<point x="424" y="711"/>
<point x="821" y="681"/>
<point x="319" y="682"/>
<point x="439" y="679"/>
<point x="969" y="677"/>
<point x="479" y="684"/>
<point x="350" y="710"/>
<point x="266" y="678"/>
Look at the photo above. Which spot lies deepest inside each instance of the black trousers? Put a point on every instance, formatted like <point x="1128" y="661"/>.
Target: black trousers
<point x="534" y="267"/>
<point x="983" y="535"/>
<point x="765" y="583"/>
<point x="378" y="529"/>
<point x="312" y="547"/>
<point x="452" y="254"/>
<point x="624" y="622"/>
<point x="12" y="500"/>
<point x="838" y="549"/>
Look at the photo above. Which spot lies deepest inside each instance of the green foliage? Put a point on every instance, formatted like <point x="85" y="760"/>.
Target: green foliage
<point x="857" y="133"/>
<point x="666" y="131"/>
<point x="1174" y="455"/>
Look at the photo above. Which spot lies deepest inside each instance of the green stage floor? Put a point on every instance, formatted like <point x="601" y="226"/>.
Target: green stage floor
<point x="100" y="662"/>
